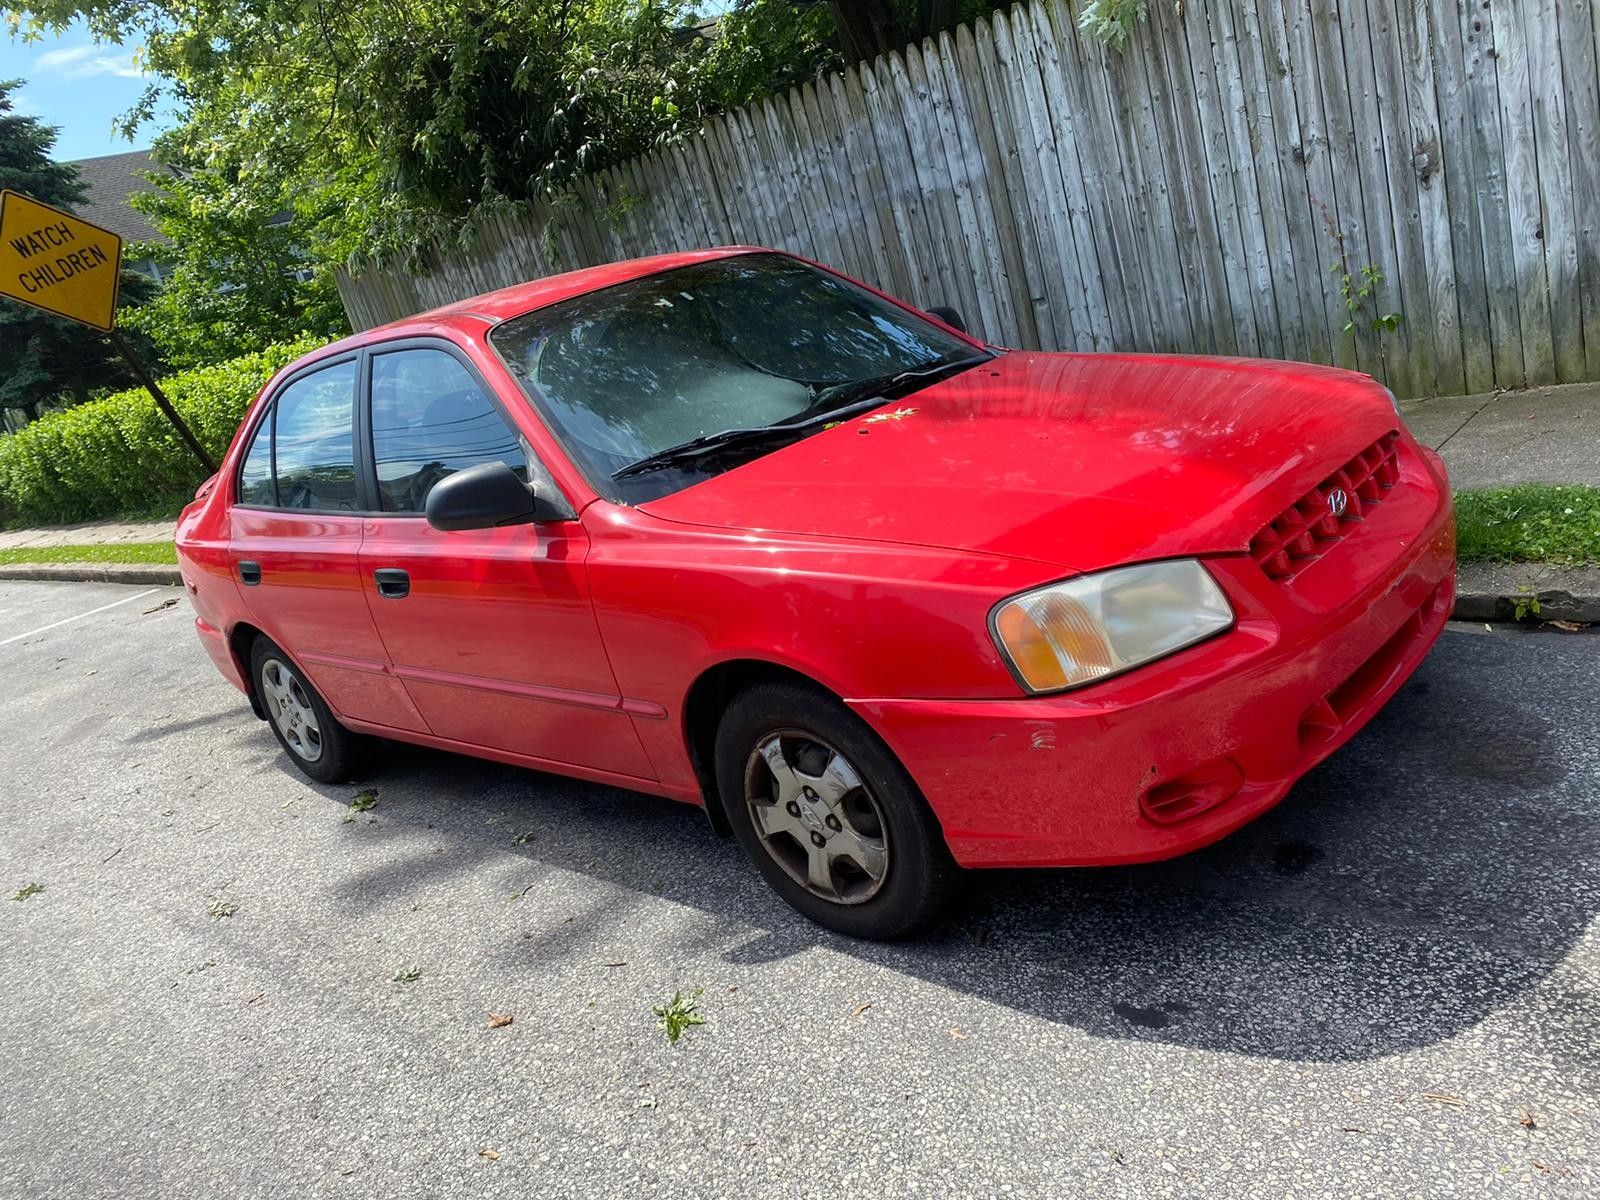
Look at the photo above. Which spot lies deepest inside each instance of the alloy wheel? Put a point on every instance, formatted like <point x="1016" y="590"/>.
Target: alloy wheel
<point x="290" y="709"/>
<point x="816" y="818"/>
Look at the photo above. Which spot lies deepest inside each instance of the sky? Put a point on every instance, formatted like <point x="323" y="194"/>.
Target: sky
<point x="79" y="87"/>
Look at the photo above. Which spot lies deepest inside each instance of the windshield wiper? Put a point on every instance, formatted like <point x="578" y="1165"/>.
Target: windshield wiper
<point x="847" y="392"/>
<point x="695" y="447"/>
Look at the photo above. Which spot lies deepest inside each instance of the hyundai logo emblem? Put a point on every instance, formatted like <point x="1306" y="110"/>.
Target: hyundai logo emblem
<point x="1338" y="501"/>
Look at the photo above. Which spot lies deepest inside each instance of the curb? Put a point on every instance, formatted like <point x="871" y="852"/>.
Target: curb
<point x="145" y="573"/>
<point x="1495" y="591"/>
<point x="1554" y="605"/>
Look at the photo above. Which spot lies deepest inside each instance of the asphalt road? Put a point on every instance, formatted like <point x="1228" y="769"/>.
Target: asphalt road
<point x="1387" y="987"/>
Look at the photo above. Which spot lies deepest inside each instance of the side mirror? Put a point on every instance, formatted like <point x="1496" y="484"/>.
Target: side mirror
<point x="480" y="497"/>
<point x="949" y="316"/>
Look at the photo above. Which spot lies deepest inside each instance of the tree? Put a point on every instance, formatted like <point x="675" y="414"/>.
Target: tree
<point x="236" y="277"/>
<point x="46" y="358"/>
<point x="396" y="125"/>
<point x="391" y="127"/>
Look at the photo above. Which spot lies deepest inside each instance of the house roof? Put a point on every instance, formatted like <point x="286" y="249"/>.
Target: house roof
<point x="111" y="179"/>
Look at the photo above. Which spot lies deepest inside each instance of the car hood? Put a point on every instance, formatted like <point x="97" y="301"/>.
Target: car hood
<point x="1084" y="461"/>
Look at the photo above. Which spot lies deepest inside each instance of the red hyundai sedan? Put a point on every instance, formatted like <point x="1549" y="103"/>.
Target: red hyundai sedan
<point x="733" y="529"/>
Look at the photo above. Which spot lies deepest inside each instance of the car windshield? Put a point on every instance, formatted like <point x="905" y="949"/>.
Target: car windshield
<point x="628" y="376"/>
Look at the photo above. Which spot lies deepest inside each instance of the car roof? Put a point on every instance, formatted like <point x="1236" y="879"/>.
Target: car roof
<point x="494" y="307"/>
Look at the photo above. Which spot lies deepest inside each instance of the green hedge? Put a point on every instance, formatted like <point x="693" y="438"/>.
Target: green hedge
<point x="119" y="455"/>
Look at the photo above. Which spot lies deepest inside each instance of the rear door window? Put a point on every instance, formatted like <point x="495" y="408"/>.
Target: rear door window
<point x="303" y="455"/>
<point x="314" y="441"/>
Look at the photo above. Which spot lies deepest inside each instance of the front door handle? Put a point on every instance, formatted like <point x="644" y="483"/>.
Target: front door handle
<point x="249" y="572"/>
<point x="392" y="582"/>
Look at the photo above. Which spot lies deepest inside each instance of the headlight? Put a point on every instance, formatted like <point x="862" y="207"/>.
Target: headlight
<point x="1068" y="634"/>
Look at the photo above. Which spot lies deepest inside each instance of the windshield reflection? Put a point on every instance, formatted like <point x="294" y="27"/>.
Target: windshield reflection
<point x="748" y="341"/>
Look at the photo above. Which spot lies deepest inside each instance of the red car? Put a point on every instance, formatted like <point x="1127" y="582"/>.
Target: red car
<point x="732" y="529"/>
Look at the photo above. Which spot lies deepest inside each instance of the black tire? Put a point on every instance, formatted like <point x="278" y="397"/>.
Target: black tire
<point x="334" y="754"/>
<point x="919" y="877"/>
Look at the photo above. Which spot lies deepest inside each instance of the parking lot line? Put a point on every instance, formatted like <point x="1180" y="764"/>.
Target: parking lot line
<point x="68" y="620"/>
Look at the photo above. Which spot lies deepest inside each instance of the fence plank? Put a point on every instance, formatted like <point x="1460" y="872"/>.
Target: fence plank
<point x="1104" y="254"/>
<point x="1429" y="183"/>
<point x="982" y="109"/>
<point x="1272" y="126"/>
<point x="1149" y="198"/>
<point x="827" y="145"/>
<point x="910" y="219"/>
<point x="1422" y="327"/>
<point x="984" y="233"/>
<point x="1255" y="214"/>
<point x="1580" y="64"/>
<point x="1522" y="190"/>
<point x="1203" y="251"/>
<point x="1447" y="55"/>
<point x="866" y="165"/>
<point x="1487" y="156"/>
<point x="1065" y="286"/>
<point x="1182" y="193"/>
<point x="950" y="162"/>
<point x="1558" y="233"/>
<point x="1215" y="159"/>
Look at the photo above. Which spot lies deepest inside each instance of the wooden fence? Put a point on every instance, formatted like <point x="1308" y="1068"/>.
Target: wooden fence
<point x="1209" y="188"/>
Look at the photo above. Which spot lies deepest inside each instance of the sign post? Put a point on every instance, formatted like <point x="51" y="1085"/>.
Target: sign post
<point x="62" y="264"/>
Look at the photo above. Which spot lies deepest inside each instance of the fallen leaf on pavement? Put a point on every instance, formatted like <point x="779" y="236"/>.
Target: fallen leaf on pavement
<point x="1441" y="1098"/>
<point x="1527" y="1120"/>
<point x="491" y="1155"/>
<point x="1568" y="626"/>
<point x="499" y="1020"/>
<point x="958" y="1035"/>
<point x="860" y="1008"/>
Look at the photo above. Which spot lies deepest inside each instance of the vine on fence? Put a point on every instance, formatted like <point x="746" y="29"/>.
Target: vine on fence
<point x="1359" y="289"/>
<point x="1113" y="21"/>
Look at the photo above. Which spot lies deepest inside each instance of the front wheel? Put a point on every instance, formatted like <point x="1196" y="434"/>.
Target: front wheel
<point x="301" y="720"/>
<point x="828" y="815"/>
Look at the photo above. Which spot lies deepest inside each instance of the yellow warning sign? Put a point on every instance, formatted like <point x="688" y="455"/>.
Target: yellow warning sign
<point x="55" y="261"/>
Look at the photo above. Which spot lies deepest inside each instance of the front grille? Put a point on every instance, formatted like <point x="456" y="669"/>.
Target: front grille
<point x="1309" y="529"/>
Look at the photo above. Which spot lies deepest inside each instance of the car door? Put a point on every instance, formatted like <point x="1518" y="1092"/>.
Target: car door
<point x="295" y="540"/>
<point x="492" y="630"/>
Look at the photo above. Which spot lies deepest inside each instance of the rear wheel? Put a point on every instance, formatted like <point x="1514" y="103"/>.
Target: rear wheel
<point x="828" y="815"/>
<point x="301" y="720"/>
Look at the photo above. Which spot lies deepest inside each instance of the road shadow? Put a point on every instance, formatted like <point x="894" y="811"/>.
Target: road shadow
<point x="1432" y="871"/>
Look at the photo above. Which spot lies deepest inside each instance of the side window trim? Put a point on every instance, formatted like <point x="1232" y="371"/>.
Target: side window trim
<point x="366" y="465"/>
<point x="269" y="410"/>
<point x="553" y="502"/>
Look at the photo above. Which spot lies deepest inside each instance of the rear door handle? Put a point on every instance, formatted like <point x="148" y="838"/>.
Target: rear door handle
<point x="250" y="572"/>
<point x="392" y="582"/>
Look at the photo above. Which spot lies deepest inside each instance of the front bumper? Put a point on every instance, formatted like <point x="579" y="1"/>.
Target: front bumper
<point x="1176" y="755"/>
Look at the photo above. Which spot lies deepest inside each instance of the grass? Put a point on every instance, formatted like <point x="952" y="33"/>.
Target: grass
<point x="1531" y="522"/>
<point x="109" y="552"/>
